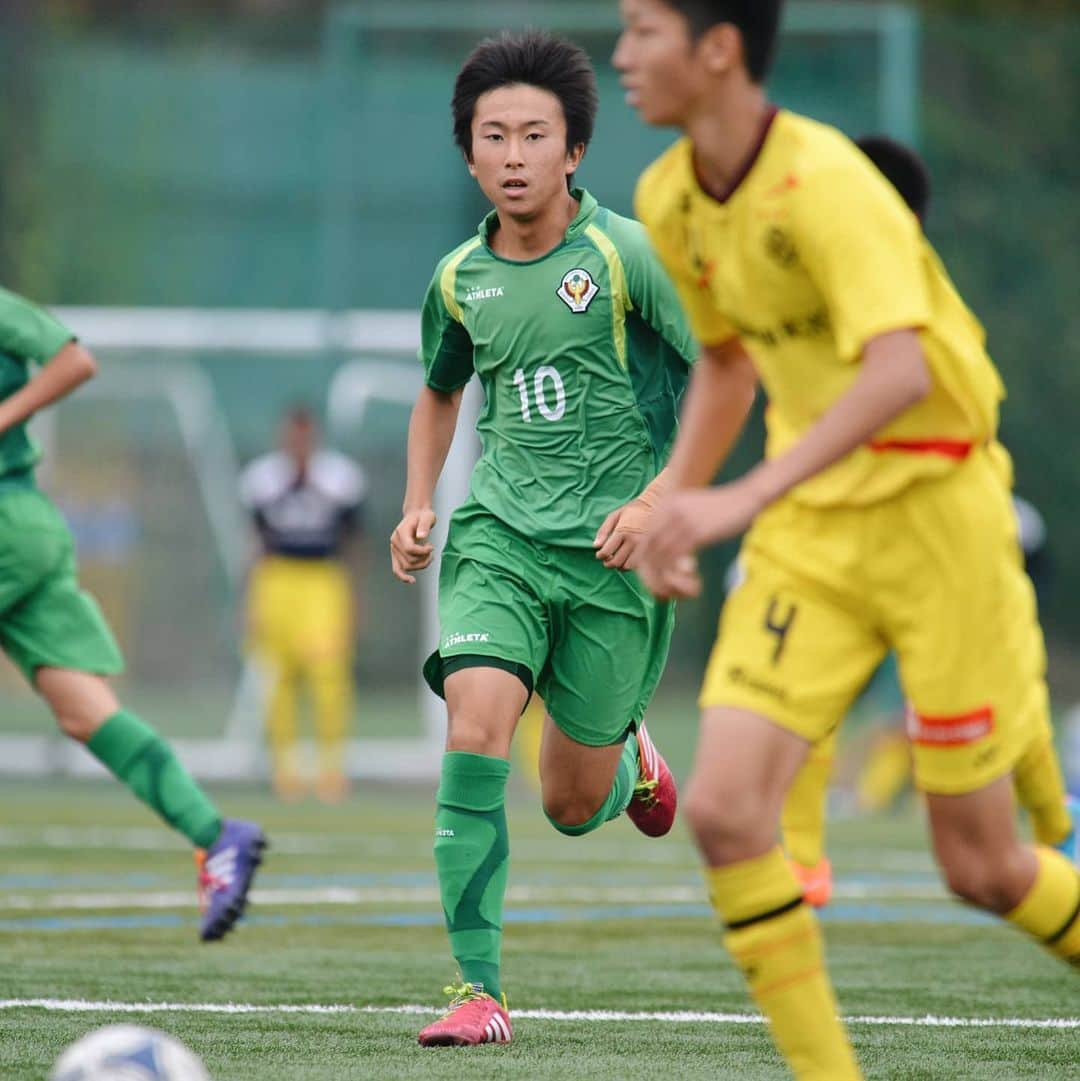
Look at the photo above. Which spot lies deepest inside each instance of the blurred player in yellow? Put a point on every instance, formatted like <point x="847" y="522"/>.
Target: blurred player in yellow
<point x="307" y="506"/>
<point x="881" y="517"/>
<point x="1040" y="788"/>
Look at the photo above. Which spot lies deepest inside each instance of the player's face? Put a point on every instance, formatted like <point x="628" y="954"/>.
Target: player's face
<point x="655" y="56"/>
<point x="298" y="439"/>
<point x="519" y="155"/>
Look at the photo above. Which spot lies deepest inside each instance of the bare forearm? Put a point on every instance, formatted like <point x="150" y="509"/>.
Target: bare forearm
<point x="714" y="414"/>
<point x="893" y="377"/>
<point x="431" y="431"/>
<point x="72" y="366"/>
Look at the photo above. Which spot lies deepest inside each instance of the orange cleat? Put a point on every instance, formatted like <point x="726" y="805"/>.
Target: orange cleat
<point x="816" y="881"/>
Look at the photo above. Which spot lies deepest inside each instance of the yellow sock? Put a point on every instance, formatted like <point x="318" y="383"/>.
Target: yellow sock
<point x="775" y="940"/>
<point x="1040" y="789"/>
<point x="1051" y="910"/>
<point x="802" y="823"/>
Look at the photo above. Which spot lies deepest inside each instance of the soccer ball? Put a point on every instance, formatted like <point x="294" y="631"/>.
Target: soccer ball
<point x="128" y="1053"/>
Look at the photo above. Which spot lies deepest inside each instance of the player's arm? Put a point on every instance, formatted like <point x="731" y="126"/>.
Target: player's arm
<point x="29" y="332"/>
<point x="68" y="369"/>
<point x="863" y="250"/>
<point x="893" y="376"/>
<point x="447" y="354"/>
<point x="431" y="431"/>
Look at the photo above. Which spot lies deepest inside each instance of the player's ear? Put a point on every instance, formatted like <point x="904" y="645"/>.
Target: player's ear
<point x="720" y="48"/>
<point x="469" y="164"/>
<point x="573" y="158"/>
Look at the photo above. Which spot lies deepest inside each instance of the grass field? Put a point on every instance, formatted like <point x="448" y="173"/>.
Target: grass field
<point x="343" y="956"/>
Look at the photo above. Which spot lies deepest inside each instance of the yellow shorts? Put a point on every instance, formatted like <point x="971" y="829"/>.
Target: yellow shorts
<point x="935" y="574"/>
<point x="300" y="611"/>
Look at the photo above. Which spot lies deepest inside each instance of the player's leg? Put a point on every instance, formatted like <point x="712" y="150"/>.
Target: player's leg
<point x="86" y="709"/>
<point x="610" y="641"/>
<point x="330" y="679"/>
<point x="790" y="658"/>
<point x="228" y="851"/>
<point x="1040" y="790"/>
<point x="802" y="822"/>
<point x="272" y="642"/>
<point x="972" y="662"/>
<point x="282" y="680"/>
<point x="494" y="638"/>
<point x="886" y="772"/>
<point x="472" y="846"/>
<point x="742" y="768"/>
<point x="582" y="787"/>
<point x="57" y="635"/>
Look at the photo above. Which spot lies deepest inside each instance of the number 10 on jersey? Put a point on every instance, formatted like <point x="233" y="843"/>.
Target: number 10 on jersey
<point x="544" y="374"/>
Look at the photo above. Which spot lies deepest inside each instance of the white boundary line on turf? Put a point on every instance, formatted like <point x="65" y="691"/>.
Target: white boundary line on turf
<point x="676" y="1017"/>
<point x="382" y="895"/>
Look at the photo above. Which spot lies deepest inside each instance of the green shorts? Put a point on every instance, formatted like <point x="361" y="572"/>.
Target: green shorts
<point x="45" y="619"/>
<point x="595" y="640"/>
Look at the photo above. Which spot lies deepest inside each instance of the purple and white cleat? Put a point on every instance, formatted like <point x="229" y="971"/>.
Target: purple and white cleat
<point x="226" y="870"/>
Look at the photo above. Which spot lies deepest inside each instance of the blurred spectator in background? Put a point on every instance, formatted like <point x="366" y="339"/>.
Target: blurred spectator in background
<point x="307" y="504"/>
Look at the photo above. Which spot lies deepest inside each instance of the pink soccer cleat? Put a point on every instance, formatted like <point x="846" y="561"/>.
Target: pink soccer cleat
<point x="652" y="806"/>
<point x="474" y="1017"/>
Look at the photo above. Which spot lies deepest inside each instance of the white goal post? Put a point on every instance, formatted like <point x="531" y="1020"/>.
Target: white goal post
<point x="359" y="383"/>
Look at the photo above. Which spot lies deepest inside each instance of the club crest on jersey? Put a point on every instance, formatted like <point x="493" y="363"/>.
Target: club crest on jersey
<point x="577" y="290"/>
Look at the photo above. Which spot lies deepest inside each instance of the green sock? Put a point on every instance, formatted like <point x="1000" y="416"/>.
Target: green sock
<point x="471" y="854"/>
<point x="622" y="789"/>
<point x="133" y="752"/>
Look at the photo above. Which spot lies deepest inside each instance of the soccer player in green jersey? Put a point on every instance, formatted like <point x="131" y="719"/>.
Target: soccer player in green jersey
<point x="56" y="634"/>
<point x="581" y="348"/>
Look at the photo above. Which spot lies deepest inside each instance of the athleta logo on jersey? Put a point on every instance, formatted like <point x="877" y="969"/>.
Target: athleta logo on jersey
<point x="459" y="639"/>
<point x="483" y="294"/>
<point x="577" y="290"/>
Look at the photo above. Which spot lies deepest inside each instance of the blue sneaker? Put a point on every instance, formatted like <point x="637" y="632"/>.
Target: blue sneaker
<point x="226" y="869"/>
<point x="1070" y="847"/>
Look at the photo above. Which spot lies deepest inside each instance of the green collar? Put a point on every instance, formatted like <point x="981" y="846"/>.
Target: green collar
<point x="581" y="219"/>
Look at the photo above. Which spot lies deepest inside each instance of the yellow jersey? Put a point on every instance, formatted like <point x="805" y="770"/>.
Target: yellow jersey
<point x="812" y="256"/>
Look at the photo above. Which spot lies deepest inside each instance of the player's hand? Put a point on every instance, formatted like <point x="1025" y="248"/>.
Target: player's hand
<point x="676" y="581"/>
<point x="620" y="538"/>
<point x="410" y="549"/>
<point x="689" y="520"/>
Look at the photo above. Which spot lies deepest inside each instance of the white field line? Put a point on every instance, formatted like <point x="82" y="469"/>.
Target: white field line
<point x="427" y="895"/>
<point x="676" y="1017"/>
<point x="615" y="850"/>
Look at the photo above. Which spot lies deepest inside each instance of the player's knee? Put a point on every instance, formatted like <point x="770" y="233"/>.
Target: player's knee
<point x="477" y="737"/>
<point x="77" y="724"/>
<point x="995" y="883"/>
<point x="724" y="819"/>
<point x="568" y="811"/>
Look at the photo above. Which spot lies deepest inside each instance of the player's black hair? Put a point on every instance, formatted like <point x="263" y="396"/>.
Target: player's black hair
<point x="532" y="58"/>
<point x="757" y="20"/>
<point x="902" y="167"/>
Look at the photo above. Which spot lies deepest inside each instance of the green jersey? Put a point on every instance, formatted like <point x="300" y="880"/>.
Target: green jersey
<point x="27" y="335"/>
<point x="583" y="356"/>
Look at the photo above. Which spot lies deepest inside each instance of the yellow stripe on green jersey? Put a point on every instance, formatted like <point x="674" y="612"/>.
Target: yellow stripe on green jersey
<point x="448" y="279"/>
<point x="620" y="294"/>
